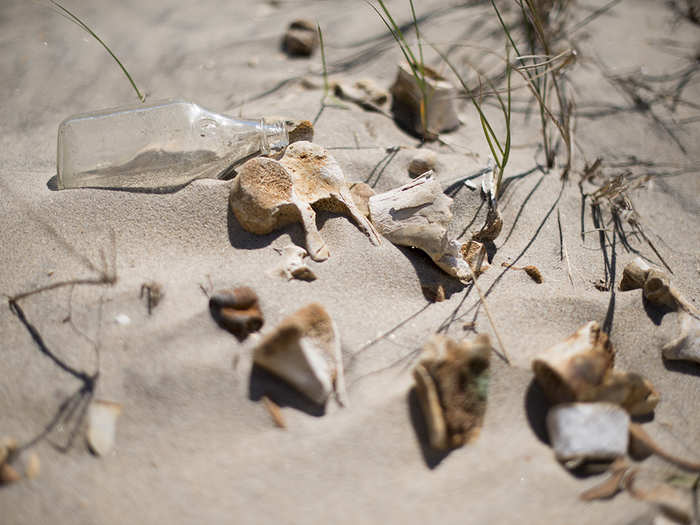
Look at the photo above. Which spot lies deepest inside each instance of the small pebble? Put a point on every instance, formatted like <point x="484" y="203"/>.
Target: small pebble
<point x="424" y="160"/>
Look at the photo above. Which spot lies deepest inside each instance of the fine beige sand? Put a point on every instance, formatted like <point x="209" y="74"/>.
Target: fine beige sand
<point x="195" y="443"/>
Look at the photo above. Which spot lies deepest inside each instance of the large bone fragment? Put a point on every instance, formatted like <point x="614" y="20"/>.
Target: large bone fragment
<point x="268" y="194"/>
<point x="418" y="215"/>
<point x="304" y="350"/>
<point x="580" y="368"/>
<point x="452" y="385"/>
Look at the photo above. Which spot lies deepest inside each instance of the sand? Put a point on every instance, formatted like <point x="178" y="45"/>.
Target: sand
<point x="194" y="442"/>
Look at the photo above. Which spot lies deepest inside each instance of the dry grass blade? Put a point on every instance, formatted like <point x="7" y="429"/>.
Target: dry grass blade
<point x="82" y="25"/>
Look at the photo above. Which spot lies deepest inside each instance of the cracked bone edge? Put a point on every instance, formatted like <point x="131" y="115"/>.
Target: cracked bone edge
<point x="580" y="432"/>
<point x="304" y="351"/>
<point x="418" y="215"/>
<point x="263" y="198"/>
<point x="319" y="179"/>
<point x="687" y="345"/>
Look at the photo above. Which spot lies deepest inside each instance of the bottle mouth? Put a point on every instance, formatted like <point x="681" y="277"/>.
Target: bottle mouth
<point x="275" y="137"/>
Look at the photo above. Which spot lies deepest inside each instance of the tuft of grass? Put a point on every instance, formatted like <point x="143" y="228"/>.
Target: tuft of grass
<point x="542" y="78"/>
<point x="82" y="25"/>
<point x="500" y="149"/>
<point x="416" y="63"/>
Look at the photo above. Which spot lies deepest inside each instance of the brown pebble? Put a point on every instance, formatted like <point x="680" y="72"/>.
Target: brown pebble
<point x="435" y="293"/>
<point x="424" y="160"/>
<point x="301" y="39"/>
<point x="8" y="474"/>
<point x="237" y="311"/>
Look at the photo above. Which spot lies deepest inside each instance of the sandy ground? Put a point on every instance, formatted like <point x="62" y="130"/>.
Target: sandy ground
<point x="194" y="442"/>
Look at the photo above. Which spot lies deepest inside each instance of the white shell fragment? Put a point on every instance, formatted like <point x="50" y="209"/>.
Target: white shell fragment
<point x="687" y="345"/>
<point x="293" y="265"/>
<point x="268" y="194"/>
<point x="304" y="350"/>
<point x="417" y="215"/>
<point x="439" y="103"/>
<point x="580" y="432"/>
<point x="102" y="426"/>
<point x="452" y="385"/>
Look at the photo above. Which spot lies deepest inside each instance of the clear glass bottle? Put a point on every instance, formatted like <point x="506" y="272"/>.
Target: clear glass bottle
<point x="157" y="145"/>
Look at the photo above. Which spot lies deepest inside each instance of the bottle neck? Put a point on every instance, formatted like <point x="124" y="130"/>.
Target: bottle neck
<point x="260" y="135"/>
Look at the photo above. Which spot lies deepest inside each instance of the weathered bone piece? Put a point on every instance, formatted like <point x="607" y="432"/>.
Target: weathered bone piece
<point x="687" y="345"/>
<point x="417" y="215"/>
<point x="268" y="194"/>
<point x="102" y="426"/>
<point x="570" y="369"/>
<point x="656" y="285"/>
<point x="301" y="38"/>
<point x="657" y="290"/>
<point x="293" y="265"/>
<point x="237" y="311"/>
<point x="452" y="386"/>
<point x="581" y="432"/>
<point x="634" y="275"/>
<point x="304" y="350"/>
<point x="438" y="101"/>
<point x="580" y="368"/>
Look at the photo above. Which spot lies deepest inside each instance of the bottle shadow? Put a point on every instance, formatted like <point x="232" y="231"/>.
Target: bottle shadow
<point x="240" y="238"/>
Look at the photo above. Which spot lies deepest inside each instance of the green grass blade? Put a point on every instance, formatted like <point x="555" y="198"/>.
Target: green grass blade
<point x="87" y="29"/>
<point x="323" y="61"/>
<point x="420" y="45"/>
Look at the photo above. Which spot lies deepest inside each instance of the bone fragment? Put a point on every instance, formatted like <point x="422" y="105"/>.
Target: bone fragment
<point x="438" y="101"/>
<point x="304" y="350"/>
<point x="417" y="215"/>
<point x="268" y="194"/>
<point x="452" y="386"/>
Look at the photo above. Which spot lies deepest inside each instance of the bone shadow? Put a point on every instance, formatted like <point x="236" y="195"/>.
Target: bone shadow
<point x="240" y="238"/>
<point x="429" y="275"/>
<point x="432" y="457"/>
<point x="536" y="407"/>
<point x="263" y="383"/>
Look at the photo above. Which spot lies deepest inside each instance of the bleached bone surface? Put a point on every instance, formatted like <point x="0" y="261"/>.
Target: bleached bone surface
<point x="102" y="426"/>
<point x="687" y="345"/>
<point x="452" y="386"/>
<point x="304" y="350"/>
<point x="418" y="215"/>
<point x="587" y="431"/>
<point x="268" y="194"/>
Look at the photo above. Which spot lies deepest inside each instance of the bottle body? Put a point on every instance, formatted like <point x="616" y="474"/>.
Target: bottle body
<point x="157" y="145"/>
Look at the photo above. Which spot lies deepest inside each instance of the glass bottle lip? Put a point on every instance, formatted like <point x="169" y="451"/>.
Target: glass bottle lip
<point x="274" y="135"/>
